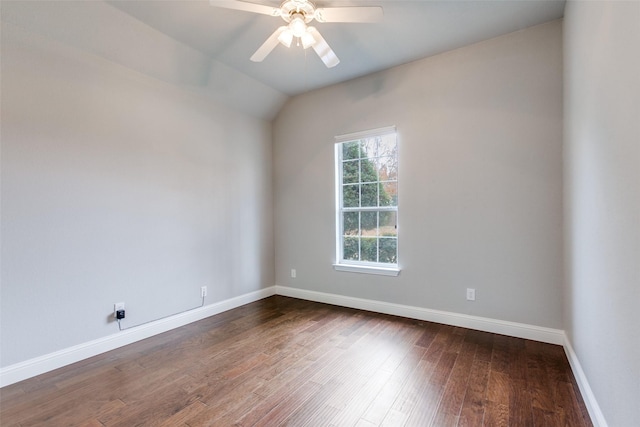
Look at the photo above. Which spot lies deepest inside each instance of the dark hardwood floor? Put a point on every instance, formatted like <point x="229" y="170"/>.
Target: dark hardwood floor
<point x="283" y="361"/>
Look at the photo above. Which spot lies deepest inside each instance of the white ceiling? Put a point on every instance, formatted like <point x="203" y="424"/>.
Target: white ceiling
<point x="409" y="31"/>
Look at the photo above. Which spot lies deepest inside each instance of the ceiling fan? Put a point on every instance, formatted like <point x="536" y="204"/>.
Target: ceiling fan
<point x="297" y="14"/>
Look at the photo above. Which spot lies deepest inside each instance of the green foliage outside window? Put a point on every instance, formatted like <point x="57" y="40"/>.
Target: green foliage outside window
<point x="369" y="235"/>
<point x="360" y="178"/>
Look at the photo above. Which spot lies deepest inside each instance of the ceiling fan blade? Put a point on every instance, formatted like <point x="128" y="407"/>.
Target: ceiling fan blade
<point x="268" y="45"/>
<point x="349" y="14"/>
<point x="246" y="6"/>
<point x="322" y="49"/>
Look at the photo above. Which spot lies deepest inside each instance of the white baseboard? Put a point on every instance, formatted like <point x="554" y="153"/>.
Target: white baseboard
<point x="519" y="330"/>
<point x="39" y="365"/>
<point x="597" y="417"/>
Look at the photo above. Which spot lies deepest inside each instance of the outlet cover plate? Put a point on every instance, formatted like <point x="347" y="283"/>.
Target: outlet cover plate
<point x="471" y="294"/>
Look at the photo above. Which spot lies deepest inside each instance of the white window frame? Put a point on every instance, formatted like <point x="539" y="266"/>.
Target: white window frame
<point x="354" y="266"/>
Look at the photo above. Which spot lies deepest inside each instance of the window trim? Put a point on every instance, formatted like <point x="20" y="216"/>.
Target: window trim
<point x="367" y="269"/>
<point x="359" y="266"/>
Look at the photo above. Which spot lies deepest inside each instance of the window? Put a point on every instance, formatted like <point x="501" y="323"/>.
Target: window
<point x="367" y="202"/>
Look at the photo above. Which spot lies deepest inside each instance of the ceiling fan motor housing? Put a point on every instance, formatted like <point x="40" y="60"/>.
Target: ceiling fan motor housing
<point x="290" y="9"/>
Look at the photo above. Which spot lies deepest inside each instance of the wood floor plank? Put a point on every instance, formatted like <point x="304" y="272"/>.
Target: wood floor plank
<point x="286" y="362"/>
<point x="473" y="407"/>
<point x="379" y="377"/>
<point x="395" y="418"/>
<point x="520" y="409"/>
<point x="167" y="399"/>
<point x="89" y="409"/>
<point x="222" y="397"/>
<point x="439" y="360"/>
<point x="91" y="423"/>
<point x="451" y="404"/>
<point x="500" y="355"/>
<point x="430" y="394"/>
<point x="567" y="400"/>
<point x="429" y="334"/>
<point x="365" y="423"/>
<point x="320" y="418"/>
<point x="361" y="396"/>
<point x="313" y="406"/>
<point x="496" y="414"/>
<point x="291" y="403"/>
<point x="540" y="387"/>
<point x="406" y="398"/>
<point x="381" y="404"/>
<point x="483" y="342"/>
<point x="498" y="388"/>
<point x="225" y="413"/>
<point x="181" y="417"/>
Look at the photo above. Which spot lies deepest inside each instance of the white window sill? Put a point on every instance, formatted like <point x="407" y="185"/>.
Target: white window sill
<point x="365" y="269"/>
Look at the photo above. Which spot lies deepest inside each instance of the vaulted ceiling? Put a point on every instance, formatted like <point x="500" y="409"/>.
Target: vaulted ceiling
<point x="206" y="49"/>
<point x="410" y="30"/>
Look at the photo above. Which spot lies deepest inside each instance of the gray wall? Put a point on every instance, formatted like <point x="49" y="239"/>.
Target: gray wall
<point x="480" y="133"/>
<point x="602" y="187"/>
<point x="120" y="187"/>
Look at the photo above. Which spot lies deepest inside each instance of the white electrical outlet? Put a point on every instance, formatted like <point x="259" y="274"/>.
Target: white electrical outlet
<point x="471" y="294"/>
<point x="203" y="291"/>
<point x="293" y="273"/>
<point x="117" y="306"/>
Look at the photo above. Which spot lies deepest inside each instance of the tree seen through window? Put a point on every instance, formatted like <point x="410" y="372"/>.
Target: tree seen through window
<point x="369" y="199"/>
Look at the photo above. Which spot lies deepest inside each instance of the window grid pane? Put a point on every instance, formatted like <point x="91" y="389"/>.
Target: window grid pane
<point x="351" y="171"/>
<point x="351" y="195"/>
<point x="368" y="211"/>
<point x="351" y="150"/>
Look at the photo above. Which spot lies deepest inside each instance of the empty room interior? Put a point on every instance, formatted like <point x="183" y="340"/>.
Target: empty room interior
<point x="331" y="213"/>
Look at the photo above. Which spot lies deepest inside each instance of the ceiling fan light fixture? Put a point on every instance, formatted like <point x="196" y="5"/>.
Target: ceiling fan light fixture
<point x="307" y="40"/>
<point x="286" y="37"/>
<point x="298" y="26"/>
